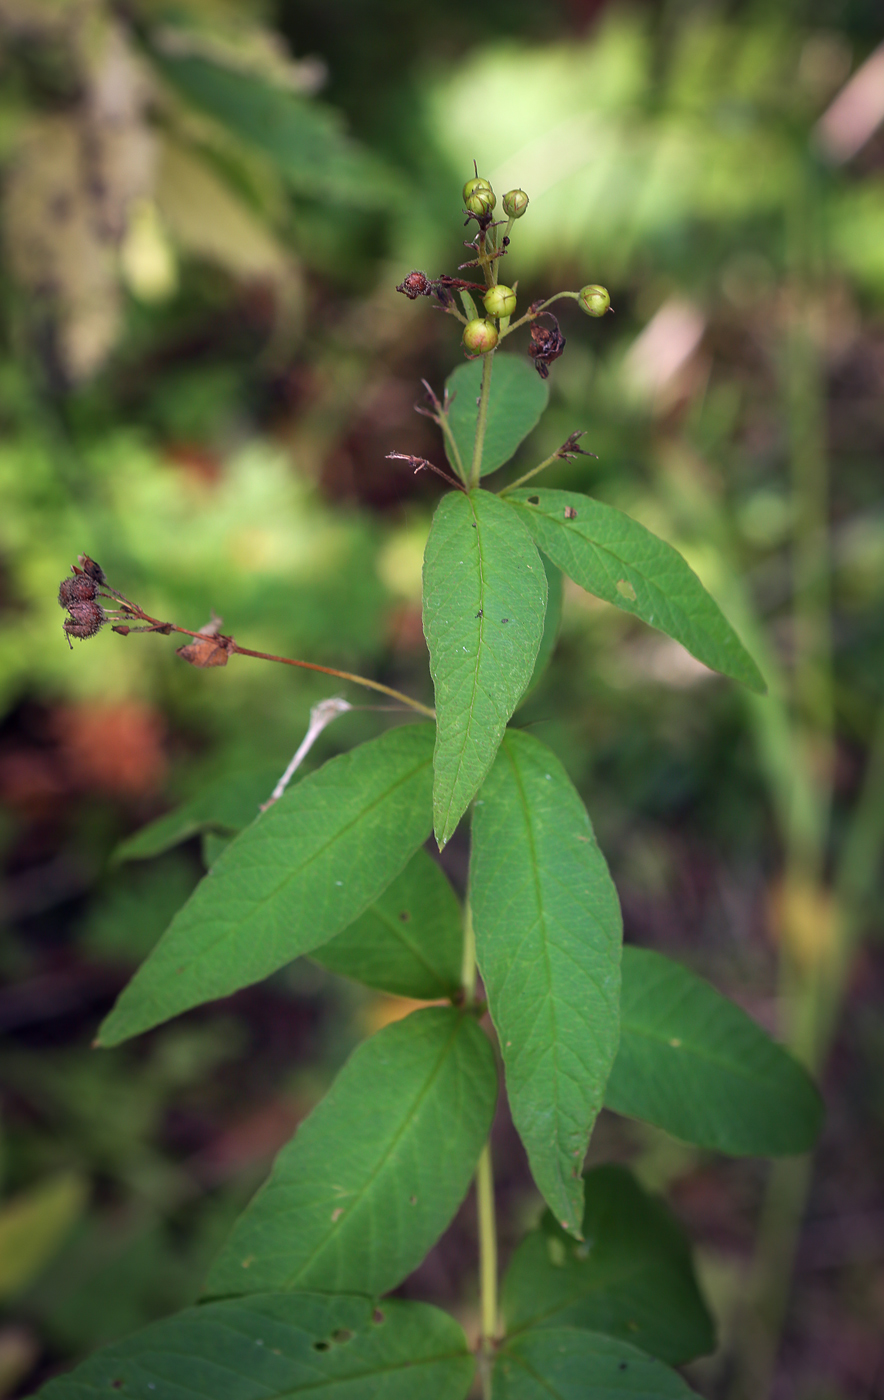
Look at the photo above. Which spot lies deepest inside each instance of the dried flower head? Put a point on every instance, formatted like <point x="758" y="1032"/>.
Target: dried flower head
<point x="84" y="620"/>
<point x="79" y="589"/>
<point x="547" y="344"/>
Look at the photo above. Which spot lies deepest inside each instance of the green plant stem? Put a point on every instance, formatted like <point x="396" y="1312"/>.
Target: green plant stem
<point x="451" y="443"/>
<point x="532" y="315"/>
<point x="487" y="1267"/>
<point x="468" y="964"/>
<point x="342" y="675"/>
<point x="134" y="611"/>
<point x="805" y="983"/>
<point x="520" y="481"/>
<point x="481" y="423"/>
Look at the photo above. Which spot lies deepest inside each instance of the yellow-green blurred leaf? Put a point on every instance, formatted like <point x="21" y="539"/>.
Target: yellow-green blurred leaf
<point x="34" y="1225"/>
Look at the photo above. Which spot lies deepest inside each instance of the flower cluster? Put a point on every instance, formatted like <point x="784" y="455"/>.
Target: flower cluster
<point x="491" y="242"/>
<point x="79" y="596"/>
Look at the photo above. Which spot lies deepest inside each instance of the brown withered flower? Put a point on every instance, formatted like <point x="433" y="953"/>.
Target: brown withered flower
<point x="79" y="597"/>
<point x="547" y="344"/>
<point x="416" y="284"/>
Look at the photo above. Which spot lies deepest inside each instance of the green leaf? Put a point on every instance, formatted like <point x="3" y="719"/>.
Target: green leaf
<point x="277" y="1345"/>
<point x="632" y="1278"/>
<point x="562" y="1363"/>
<point x="34" y="1224"/>
<point x="225" y="806"/>
<point x="409" y="942"/>
<point x="547" y="925"/>
<point x="375" y="1174"/>
<point x="312" y="864"/>
<point x="551" y="624"/>
<point x="517" y="399"/>
<point x="696" y="1065"/>
<point x="614" y="557"/>
<point x="484" y="603"/>
<point x="304" y="139"/>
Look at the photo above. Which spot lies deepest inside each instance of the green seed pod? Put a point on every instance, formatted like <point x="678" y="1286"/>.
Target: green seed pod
<point x="482" y="200"/>
<point x="515" y="203"/>
<point x="472" y="186"/>
<point x="479" y="337"/>
<point x="594" y="300"/>
<point x="500" y="301"/>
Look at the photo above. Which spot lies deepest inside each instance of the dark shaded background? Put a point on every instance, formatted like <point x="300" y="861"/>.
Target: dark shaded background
<point x="203" y="363"/>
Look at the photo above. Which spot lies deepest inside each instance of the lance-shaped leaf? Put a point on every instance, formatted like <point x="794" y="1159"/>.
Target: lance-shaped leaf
<point x="692" y="1062"/>
<point x="289" y="882"/>
<point x="303" y="138"/>
<point x="409" y="941"/>
<point x="374" y="1175"/>
<point x="562" y="1363"/>
<point x="516" y="402"/>
<point x="551" y="624"/>
<point x="223" y="807"/>
<point x="548" y="930"/>
<point x="272" y="1346"/>
<point x="484" y="603"/>
<point x="611" y="555"/>
<point x="631" y="1277"/>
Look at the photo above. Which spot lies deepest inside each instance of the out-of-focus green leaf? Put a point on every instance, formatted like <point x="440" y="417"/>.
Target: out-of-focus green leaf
<point x="631" y="1276"/>
<point x="374" y="1175"/>
<point x="208" y="219"/>
<point x="517" y="400"/>
<point x="484" y="605"/>
<point x="693" y="1063"/>
<point x="547" y="924"/>
<point x="225" y="806"/>
<point x="304" y="139"/>
<point x="312" y="864"/>
<point x="33" y="1226"/>
<point x="614" y="557"/>
<point x="562" y="1363"/>
<point x="134" y="906"/>
<point x="409" y="941"/>
<point x="274" y="1345"/>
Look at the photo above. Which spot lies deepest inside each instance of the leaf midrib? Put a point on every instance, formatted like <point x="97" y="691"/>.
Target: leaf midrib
<point x="542" y="922"/>
<point x="475" y="676"/>
<point x="383" y="1160"/>
<point x="234" y="930"/>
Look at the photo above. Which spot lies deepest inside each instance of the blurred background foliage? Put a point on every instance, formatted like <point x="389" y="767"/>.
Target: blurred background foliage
<point x="206" y="206"/>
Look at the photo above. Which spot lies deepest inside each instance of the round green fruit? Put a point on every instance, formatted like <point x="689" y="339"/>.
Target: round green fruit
<point x="500" y="301"/>
<point x="478" y="196"/>
<point x="594" y="300"/>
<point x="515" y="202"/>
<point x="479" y="337"/>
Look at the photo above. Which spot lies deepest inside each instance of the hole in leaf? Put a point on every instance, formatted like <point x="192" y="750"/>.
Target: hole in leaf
<point x="342" y="1334"/>
<point x="404" y="916"/>
<point x="534" y="500"/>
<point x="117" y="1385"/>
<point x="322" y="1346"/>
<point x="377" y="1317"/>
<point x="626" y="590"/>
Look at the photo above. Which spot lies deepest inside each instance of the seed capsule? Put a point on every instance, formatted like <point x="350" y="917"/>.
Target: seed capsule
<point x="594" y="300"/>
<point x="515" y="202"/>
<point x="478" y="196"/>
<point x="500" y="301"/>
<point x="479" y="337"/>
<point x="478" y="182"/>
